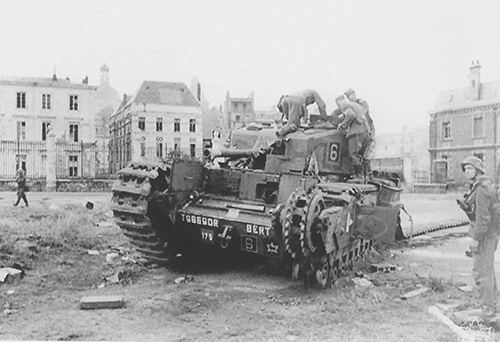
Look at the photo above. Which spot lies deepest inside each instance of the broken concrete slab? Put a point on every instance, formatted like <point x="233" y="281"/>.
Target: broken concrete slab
<point x="415" y="293"/>
<point x="111" y="257"/>
<point x="10" y="275"/>
<point x="184" y="280"/>
<point x="92" y="252"/>
<point x="101" y="302"/>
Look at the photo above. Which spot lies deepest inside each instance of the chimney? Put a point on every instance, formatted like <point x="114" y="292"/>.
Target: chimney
<point x="105" y="75"/>
<point x="85" y="80"/>
<point x="475" y="79"/>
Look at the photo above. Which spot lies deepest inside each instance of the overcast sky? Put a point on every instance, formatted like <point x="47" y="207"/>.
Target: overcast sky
<point x="397" y="54"/>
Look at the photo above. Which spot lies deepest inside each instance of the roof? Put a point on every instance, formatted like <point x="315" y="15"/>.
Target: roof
<point x="166" y="93"/>
<point x="456" y="98"/>
<point x="44" y="82"/>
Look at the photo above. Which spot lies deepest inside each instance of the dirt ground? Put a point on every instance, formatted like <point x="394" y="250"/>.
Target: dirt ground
<point x="234" y="300"/>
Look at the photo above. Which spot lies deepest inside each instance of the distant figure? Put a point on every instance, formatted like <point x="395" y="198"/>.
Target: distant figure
<point x="481" y="206"/>
<point x="354" y="124"/>
<point x="294" y="107"/>
<point x="21" y="187"/>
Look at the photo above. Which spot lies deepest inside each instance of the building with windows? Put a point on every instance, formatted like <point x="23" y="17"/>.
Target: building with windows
<point x="465" y="122"/>
<point x="238" y="111"/>
<point x="31" y="107"/>
<point x="161" y="118"/>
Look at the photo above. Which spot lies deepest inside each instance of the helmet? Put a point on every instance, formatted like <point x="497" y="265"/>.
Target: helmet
<point x="474" y="161"/>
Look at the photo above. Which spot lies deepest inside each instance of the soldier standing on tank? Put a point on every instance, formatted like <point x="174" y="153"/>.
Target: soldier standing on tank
<point x="480" y="205"/>
<point x="294" y="107"/>
<point x="21" y="187"/>
<point x="351" y="96"/>
<point x="357" y="135"/>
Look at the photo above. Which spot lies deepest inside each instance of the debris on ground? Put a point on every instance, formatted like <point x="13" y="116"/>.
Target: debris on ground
<point x="9" y="275"/>
<point x="10" y="292"/>
<point x="92" y="252"/>
<point x="54" y="207"/>
<point x="383" y="267"/>
<point x="184" y="280"/>
<point x="415" y="293"/>
<point x="104" y="224"/>
<point x="123" y="276"/>
<point x="111" y="257"/>
<point x="101" y="302"/>
<point x="465" y="288"/>
<point x="89" y="205"/>
<point x="362" y="282"/>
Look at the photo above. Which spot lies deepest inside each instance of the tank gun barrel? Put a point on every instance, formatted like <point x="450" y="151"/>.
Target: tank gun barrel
<point x="231" y="153"/>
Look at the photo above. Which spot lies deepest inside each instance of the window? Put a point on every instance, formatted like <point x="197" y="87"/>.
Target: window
<point x="192" y="149"/>
<point x="159" y="150"/>
<point x="73" y="102"/>
<point x="73" y="132"/>
<point x="478" y="127"/>
<point x="177" y="125"/>
<point x="192" y="125"/>
<point x="159" y="124"/>
<point x="21" y="99"/>
<point x="143" y="149"/>
<point x="73" y="166"/>
<point x="176" y="147"/>
<point x="45" y="130"/>
<point x="446" y="130"/>
<point x="45" y="101"/>
<point x="21" y="130"/>
<point x="142" y="123"/>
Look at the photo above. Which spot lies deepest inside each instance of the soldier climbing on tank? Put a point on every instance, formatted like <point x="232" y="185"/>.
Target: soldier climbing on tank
<point x="354" y="124"/>
<point x="481" y="206"/>
<point x="294" y="107"/>
<point x="351" y="96"/>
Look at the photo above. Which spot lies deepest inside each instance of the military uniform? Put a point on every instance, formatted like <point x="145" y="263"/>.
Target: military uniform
<point x="357" y="132"/>
<point x="21" y="187"/>
<point x="482" y="206"/>
<point x="294" y="107"/>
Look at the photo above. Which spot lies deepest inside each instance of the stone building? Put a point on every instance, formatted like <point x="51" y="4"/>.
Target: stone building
<point x="161" y="118"/>
<point x="465" y="122"/>
<point x="238" y="111"/>
<point x="406" y="151"/>
<point x="31" y="107"/>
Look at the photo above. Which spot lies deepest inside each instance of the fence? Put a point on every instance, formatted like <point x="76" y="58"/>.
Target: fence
<point x="73" y="160"/>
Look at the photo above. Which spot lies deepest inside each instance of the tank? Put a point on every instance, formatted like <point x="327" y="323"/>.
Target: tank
<point x="292" y="200"/>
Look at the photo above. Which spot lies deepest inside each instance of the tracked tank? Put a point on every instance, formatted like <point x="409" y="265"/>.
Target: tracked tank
<point x="293" y="200"/>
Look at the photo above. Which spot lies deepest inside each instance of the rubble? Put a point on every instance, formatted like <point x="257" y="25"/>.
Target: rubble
<point x="89" y="205"/>
<point x="383" y="267"/>
<point x="184" y="280"/>
<point x="10" y="275"/>
<point x="362" y="282"/>
<point x="415" y="293"/>
<point x="104" y="224"/>
<point x="466" y="288"/>
<point x="92" y="252"/>
<point x="101" y="302"/>
<point x="111" y="257"/>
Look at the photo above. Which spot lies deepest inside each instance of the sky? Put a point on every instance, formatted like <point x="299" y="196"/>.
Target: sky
<point x="396" y="54"/>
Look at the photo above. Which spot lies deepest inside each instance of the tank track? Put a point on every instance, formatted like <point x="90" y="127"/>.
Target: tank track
<point x="137" y="212"/>
<point x="309" y="259"/>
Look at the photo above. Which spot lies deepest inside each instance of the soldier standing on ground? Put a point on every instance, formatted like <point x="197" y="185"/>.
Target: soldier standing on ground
<point x="480" y="205"/>
<point x="357" y="132"/>
<point x="294" y="107"/>
<point x="21" y="187"/>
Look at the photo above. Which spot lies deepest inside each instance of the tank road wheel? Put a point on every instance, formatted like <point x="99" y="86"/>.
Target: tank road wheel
<point x="292" y="218"/>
